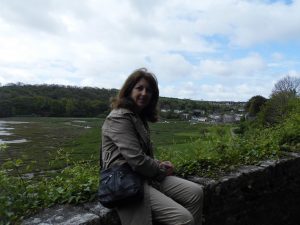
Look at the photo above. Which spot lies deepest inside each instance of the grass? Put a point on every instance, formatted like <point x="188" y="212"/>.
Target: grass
<point x="185" y="144"/>
<point x="47" y="135"/>
<point x="202" y="154"/>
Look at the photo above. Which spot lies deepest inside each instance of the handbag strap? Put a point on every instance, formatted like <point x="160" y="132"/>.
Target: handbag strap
<point x="101" y="163"/>
<point x="107" y="162"/>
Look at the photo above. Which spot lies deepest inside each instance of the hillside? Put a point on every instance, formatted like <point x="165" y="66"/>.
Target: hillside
<point x="59" y="100"/>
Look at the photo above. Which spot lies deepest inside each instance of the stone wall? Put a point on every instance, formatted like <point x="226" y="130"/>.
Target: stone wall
<point x="266" y="194"/>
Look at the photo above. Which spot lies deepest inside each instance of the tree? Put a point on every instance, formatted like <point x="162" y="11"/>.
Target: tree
<point x="6" y="108"/>
<point x="287" y="85"/>
<point x="70" y="107"/>
<point x="254" y="105"/>
<point x="57" y="108"/>
<point x="278" y="107"/>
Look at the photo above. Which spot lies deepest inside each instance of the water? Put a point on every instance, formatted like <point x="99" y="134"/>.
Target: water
<point x="36" y="141"/>
<point x="4" y="132"/>
<point x="13" y="141"/>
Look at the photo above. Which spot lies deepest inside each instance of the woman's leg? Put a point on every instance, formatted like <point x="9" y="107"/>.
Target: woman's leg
<point x="186" y="193"/>
<point x="168" y="212"/>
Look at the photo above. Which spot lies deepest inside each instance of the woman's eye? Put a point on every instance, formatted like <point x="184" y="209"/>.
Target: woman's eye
<point x="141" y="88"/>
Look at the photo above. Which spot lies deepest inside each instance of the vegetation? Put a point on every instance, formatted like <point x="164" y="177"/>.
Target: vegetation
<point x="254" y="105"/>
<point x="199" y="149"/>
<point x="204" y="150"/>
<point x="53" y="100"/>
<point x="80" y="137"/>
<point x="284" y="100"/>
<point x="20" y="197"/>
<point x="288" y="84"/>
<point x="66" y="101"/>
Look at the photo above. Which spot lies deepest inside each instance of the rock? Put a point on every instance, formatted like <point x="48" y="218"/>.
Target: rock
<point x="63" y="215"/>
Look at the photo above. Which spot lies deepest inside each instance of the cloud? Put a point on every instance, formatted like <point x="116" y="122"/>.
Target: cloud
<point x="170" y="67"/>
<point x="50" y="17"/>
<point x="218" y="91"/>
<point x="239" y="67"/>
<point x="246" y="23"/>
<point x="220" y="44"/>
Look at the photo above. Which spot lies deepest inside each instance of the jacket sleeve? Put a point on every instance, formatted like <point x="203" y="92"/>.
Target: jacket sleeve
<point x="123" y="134"/>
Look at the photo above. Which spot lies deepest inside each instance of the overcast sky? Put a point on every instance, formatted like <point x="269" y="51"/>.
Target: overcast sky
<point x="198" y="49"/>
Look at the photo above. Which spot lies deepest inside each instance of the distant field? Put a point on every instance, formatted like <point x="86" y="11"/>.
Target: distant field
<point x="80" y="137"/>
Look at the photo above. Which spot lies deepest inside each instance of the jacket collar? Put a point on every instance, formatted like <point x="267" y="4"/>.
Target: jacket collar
<point x="141" y="129"/>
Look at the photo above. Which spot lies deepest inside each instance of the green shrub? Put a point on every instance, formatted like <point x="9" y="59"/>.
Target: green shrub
<point x="21" y="197"/>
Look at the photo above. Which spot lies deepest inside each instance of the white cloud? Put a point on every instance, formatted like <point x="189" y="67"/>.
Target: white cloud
<point x="240" y="92"/>
<point x="246" y="23"/>
<point x="238" y="67"/>
<point x="218" y="91"/>
<point x="99" y="43"/>
<point x="170" y="67"/>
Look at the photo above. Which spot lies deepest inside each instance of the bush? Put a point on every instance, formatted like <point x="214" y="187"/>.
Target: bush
<point x="289" y="135"/>
<point x="21" y="197"/>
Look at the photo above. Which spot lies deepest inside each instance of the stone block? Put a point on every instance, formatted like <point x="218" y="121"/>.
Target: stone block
<point x="63" y="215"/>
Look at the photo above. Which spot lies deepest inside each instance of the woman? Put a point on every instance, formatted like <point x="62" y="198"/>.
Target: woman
<point x="125" y="139"/>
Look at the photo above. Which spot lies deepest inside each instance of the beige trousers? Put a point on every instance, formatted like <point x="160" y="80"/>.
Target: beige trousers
<point x="178" y="202"/>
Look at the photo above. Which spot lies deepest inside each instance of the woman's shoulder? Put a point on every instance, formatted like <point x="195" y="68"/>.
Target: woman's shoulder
<point x="119" y="117"/>
<point x="120" y="112"/>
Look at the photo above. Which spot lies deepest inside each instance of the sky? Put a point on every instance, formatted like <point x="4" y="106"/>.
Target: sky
<point x="214" y="50"/>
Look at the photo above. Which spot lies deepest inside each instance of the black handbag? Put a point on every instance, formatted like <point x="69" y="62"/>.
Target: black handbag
<point x="120" y="185"/>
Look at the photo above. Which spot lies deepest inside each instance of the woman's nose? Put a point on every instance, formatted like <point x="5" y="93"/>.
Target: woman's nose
<point x="144" y="91"/>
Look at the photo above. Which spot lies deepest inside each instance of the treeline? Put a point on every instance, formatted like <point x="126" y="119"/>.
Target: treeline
<point x="53" y="100"/>
<point x="71" y="101"/>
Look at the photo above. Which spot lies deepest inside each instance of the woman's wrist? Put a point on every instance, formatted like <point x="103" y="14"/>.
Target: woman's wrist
<point x="167" y="166"/>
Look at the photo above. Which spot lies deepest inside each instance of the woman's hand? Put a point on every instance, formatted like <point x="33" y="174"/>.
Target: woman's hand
<point x="168" y="166"/>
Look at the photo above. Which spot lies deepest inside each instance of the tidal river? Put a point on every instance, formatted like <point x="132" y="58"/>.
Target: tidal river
<point x="36" y="140"/>
<point x="6" y="132"/>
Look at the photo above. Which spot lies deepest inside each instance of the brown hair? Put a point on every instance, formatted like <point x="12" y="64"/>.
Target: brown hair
<point x="123" y="99"/>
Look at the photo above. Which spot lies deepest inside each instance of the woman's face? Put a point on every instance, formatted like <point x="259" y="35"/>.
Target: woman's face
<point x="141" y="94"/>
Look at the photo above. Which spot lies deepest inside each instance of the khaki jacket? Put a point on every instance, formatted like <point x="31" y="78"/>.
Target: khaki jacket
<point x="126" y="139"/>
